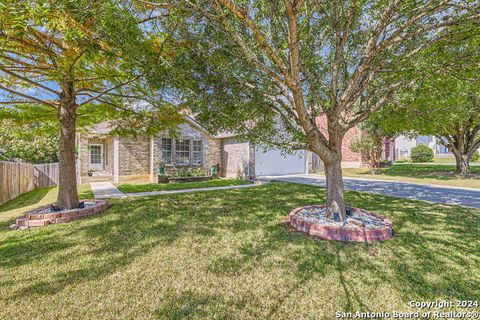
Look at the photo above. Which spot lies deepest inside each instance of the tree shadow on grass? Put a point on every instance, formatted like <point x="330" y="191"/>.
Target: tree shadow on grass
<point x="431" y="245"/>
<point x="190" y="305"/>
<point x="434" y="250"/>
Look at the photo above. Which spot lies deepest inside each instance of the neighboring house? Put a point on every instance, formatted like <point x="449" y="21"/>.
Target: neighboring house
<point x="404" y="145"/>
<point x="119" y="159"/>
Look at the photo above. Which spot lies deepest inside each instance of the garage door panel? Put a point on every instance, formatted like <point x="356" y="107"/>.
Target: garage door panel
<point x="273" y="162"/>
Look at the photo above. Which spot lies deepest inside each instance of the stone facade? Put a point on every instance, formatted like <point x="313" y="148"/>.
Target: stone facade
<point x="238" y="159"/>
<point x="134" y="156"/>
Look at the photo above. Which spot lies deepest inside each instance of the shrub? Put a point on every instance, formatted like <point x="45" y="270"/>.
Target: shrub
<point x="421" y="153"/>
<point x="475" y="156"/>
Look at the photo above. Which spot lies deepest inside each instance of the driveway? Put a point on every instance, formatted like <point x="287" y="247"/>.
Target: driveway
<point x="449" y="195"/>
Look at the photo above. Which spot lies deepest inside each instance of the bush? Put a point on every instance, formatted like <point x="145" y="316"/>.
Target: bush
<point x="475" y="156"/>
<point x="421" y="153"/>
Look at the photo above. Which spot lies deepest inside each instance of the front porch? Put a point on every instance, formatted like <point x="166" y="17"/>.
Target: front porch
<point x="96" y="158"/>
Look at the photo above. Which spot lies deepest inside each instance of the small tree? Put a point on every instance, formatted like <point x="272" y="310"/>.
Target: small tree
<point x="369" y="148"/>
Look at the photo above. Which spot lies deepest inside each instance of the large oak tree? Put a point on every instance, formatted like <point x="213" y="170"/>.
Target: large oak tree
<point x="269" y="69"/>
<point x="69" y="55"/>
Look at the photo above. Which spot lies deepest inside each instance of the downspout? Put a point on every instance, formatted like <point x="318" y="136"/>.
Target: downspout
<point x="152" y="166"/>
<point x="248" y="161"/>
<point x="116" y="176"/>
<point x="79" y="161"/>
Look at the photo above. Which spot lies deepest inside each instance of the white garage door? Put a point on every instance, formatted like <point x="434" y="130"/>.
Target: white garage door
<point x="272" y="162"/>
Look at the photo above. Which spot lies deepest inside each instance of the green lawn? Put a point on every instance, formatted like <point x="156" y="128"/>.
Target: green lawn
<point x="449" y="160"/>
<point x="146" y="187"/>
<point x="228" y="255"/>
<point x="429" y="173"/>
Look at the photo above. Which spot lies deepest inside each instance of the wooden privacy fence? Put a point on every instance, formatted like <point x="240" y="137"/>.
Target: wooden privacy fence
<point x="18" y="178"/>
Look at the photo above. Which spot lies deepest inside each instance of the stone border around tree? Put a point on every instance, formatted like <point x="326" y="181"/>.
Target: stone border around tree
<point x="35" y="219"/>
<point x="340" y="233"/>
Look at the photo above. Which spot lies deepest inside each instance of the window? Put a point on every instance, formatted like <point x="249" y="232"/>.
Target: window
<point x="167" y="150"/>
<point x="95" y="154"/>
<point x="197" y="152"/>
<point x="182" y="151"/>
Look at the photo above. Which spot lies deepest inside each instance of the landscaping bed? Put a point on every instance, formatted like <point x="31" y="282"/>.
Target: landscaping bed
<point x="359" y="225"/>
<point x="172" y="179"/>
<point x="45" y="215"/>
<point x="147" y="187"/>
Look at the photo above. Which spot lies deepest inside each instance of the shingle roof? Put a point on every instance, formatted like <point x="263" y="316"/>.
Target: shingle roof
<point x="100" y="128"/>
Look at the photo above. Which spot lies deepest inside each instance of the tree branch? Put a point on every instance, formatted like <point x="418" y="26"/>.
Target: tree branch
<point x="27" y="96"/>
<point x="101" y="94"/>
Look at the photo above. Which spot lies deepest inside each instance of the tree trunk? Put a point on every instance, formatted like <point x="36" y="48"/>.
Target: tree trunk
<point x="67" y="187"/>
<point x="463" y="163"/>
<point x="334" y="179"/>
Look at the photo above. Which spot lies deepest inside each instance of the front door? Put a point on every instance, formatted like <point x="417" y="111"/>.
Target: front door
<point x="95" y="157"/>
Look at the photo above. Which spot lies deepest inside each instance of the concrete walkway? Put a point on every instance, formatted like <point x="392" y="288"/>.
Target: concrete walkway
<point x="105" y="190"/>
<point x="156" y="193"/>
<point x="440" y="194"/>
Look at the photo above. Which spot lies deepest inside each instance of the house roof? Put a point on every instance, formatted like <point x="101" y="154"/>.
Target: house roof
<point x="226" y="134"/>
<point x="100" y="128"/>
<point x="106" y="126"/>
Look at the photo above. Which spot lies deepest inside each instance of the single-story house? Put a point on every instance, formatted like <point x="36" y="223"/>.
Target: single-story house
<point x="118" y="159"/>
<point x="403" y="146"/>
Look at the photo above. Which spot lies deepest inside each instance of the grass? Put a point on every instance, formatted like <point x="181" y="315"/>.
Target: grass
<point x="40" y="197"/>
<point x="227" y="255"/>
<point x="147" y="187"/>
<point x="449" y="160"/>
<point x="428" y="173"/>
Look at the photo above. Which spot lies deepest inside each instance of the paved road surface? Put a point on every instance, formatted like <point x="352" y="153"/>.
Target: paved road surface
<point x="448" y="195"/>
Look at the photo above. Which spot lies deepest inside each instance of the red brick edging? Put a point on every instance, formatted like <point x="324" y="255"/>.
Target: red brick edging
<point x="34" y="219"/>
<point x="339" y="233"/>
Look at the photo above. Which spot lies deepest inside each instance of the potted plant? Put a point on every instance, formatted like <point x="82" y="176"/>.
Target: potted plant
<point x="161" y="175"/>
<point x="214" y="169"/>
<point x="160" y="166"/>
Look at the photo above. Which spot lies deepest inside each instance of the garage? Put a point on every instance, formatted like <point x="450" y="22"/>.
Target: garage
<point x="273" y="162"/>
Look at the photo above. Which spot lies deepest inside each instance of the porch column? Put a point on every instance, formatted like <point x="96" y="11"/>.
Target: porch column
<point x="152" y="159"/>
<point x="307" y="156"/>
<point x="115" y="160"/>
<point x="79" y="159"/>
<point x="434" y="142"/>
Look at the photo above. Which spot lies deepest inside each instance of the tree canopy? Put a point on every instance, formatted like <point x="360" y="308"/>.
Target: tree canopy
<point x="269" y="69"/>
<point x="445" y="104"/>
